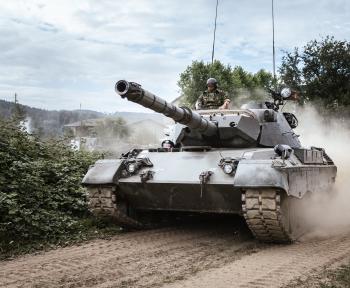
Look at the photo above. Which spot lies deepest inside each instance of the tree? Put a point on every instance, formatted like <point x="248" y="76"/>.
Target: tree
<point x="193" y="80"/>
<point x="263" y="79"/>
<point x="321" y="71"/>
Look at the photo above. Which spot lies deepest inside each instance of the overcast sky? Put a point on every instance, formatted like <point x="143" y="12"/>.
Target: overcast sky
<point x="58" y="54"/>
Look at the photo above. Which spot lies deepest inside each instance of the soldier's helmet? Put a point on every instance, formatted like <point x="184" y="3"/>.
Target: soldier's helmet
<point x="212" y="81"/>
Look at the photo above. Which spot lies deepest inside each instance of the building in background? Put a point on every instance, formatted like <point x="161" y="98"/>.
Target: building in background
<point x="142" y="133"/>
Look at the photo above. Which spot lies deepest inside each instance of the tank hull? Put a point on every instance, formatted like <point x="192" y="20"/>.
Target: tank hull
<point x="176" y="177"/>
<point x="176" y="183"/>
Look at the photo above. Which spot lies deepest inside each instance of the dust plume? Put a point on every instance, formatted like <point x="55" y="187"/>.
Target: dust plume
<point x="143" y="134"/>
<point x="244" y="96"/>
<point x="329" y="213"/>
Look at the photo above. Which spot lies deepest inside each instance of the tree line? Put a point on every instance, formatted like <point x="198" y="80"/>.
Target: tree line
<point x="320" y="71"/>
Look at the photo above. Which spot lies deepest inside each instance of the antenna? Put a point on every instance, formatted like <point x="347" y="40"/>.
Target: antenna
<point x="216" y="16"/>
<point x="273" y="42"/>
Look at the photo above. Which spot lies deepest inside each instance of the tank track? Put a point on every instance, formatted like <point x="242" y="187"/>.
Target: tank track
<point x="103" y="202"/>
<point x="262" y="212"/>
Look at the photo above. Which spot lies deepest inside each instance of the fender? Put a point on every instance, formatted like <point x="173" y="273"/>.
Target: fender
<point x="259" y="173"/>
<point x="294" y="180"/>
<point x="103" y="172"/>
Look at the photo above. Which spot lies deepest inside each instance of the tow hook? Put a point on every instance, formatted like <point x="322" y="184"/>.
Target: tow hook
<point x="146" y="175"/>
<point x="204" y="178"/>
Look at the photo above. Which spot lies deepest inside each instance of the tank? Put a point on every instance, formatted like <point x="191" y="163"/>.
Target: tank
<point x="247" y="162"/>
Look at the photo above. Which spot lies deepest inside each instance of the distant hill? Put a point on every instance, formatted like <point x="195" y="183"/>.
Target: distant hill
<point x="49" y="123"/>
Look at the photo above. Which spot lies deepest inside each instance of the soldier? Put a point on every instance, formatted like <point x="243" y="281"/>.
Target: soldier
<point x="212" y="98"/>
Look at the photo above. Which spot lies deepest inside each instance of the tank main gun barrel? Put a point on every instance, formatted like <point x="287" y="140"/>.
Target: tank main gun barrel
<point x="183" y="115"/>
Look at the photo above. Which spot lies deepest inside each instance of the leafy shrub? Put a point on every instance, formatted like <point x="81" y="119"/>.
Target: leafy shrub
<point x="41" y="197"/>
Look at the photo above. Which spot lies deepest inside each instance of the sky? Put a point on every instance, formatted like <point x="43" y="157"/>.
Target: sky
<point x="58" y="54"/>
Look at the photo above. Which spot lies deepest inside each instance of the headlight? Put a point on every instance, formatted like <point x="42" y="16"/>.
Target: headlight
<point x="228" y="168"/>
<point x="286" y="93"/>
<point x="229" y="165"/>
<point x="131" y="167"/>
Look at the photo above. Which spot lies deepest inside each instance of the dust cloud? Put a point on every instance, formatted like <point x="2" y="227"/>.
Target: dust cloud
<point x="328" y="213"/>
<point x="114" y="147"/>
<point x="143" y="136"/>
<point x="243" y="96"/>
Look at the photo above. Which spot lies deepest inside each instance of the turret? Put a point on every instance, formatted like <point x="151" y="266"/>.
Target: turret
<point x="262" y="127"/>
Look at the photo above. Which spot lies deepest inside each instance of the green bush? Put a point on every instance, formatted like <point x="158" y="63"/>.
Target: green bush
<point x="41" y="197"/>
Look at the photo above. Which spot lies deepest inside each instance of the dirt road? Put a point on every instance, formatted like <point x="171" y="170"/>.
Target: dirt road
<point x="174" y="257"/>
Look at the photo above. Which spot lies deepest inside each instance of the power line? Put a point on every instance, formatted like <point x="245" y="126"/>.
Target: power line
<point x="216" y="16"/>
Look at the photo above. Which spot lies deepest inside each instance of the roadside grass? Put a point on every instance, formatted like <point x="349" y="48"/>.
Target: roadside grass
<point x="87" y="229"/>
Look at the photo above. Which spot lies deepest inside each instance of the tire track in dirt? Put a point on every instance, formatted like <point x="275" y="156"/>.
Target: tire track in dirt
<point x="189" y="256"/>
<point x="139" y="259"/>
<point x="274" y="266"/>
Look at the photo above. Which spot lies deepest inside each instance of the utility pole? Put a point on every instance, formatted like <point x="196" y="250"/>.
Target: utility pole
<point x="18" y="112"/>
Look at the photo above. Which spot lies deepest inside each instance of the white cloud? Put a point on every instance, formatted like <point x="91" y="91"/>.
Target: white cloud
<point x="57" y="54"/>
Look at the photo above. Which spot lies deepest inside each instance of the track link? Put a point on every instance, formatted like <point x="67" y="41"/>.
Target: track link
<point x="103" y="202"/>
<point x="262" y="212"/>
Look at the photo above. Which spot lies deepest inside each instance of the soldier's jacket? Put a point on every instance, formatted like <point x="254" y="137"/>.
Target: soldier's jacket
<point x="212" y="100"/>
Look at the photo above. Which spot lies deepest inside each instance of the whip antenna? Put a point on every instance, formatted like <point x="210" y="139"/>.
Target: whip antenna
<point x="273" y="43"/>
<point x="216" y="16"/>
